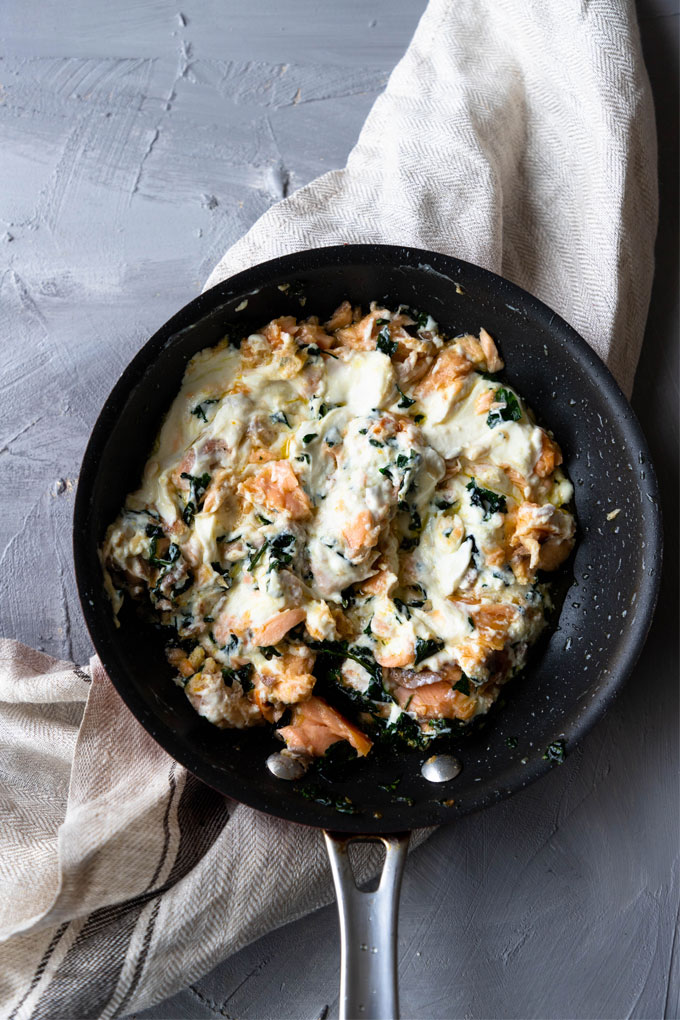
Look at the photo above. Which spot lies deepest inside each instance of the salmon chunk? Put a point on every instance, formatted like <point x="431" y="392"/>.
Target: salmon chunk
<point x="494" y="362"/>
<point x="436" y="701"/>
<point x="450" y="367"/>
<point x="311" y="332"/>
<point x="549" y="458"/>
<point x="288" y="678"/>
<point x="542" y="540"/>
<point x="271" y="632"/>
<point x="276" y="487"/>
<point x="341" y="317"/>
<point x="360" y="535"/>
<point x="315" y="726"/>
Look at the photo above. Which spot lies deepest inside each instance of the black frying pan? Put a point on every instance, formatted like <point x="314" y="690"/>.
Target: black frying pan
<point x="608" y="591"/>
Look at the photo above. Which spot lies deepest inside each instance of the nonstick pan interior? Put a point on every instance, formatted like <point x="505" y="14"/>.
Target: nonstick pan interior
<point x="608" y="589"/>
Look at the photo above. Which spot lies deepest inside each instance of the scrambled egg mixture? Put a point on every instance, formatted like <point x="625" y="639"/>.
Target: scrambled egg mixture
<point x="340" y="525"/>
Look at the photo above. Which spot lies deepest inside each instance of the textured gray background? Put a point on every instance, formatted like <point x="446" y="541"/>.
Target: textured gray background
<point x="138" y="140"/>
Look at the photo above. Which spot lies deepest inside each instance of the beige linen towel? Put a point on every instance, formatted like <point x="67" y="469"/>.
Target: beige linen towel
<point x="517" y="134"/>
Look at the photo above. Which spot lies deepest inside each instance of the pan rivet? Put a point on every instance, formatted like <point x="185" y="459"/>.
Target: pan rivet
<point x="440" y="768"/>
<point x="285" y="766"/>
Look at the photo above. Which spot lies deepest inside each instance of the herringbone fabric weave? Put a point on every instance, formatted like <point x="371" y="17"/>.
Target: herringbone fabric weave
<point x="517" y="134"/>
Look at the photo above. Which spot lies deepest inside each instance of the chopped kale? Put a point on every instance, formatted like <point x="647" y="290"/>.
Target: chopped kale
<point x="171" y="556"/>
<point x="426" y="647"/>
<point x="198" y="486"/>
<point x="555" y="752"/>
<point x="304" y="457"/>
<point x="463" y="685"/>
<point x="270" y="652"/>
<point x="407" y="544"/>
<point x="390" y="787"/>
<point x="335" y="764"/>
<point x="418" y="418"/>
<point x="279" y="418"/>
<point x="281" y="550"/>
<point x="490" y="502"/>
<point x="440" y="727"/>
<point x="442" y="504"/>
<point x="263" y="520"/>
<point x="420" y="318"/>
<point x="374" y="442"/>
<point x="384" y="342"/>
<point x="257" y="555"/>
<point x="405" y="401"/>
<point x="311" y="791"/>
<point x="243" y="675"/>
<point x="402" y="608"/>
<point x="348" y="597"/>
<point x="309" y="437"/>
<point x="510" y="411"/>
<point x="403" y="730"/>
<point x="363" y="656"/>
<point x="386" y="472"/>
<point x="402" y="460"/>
<point x="199" y="411"/>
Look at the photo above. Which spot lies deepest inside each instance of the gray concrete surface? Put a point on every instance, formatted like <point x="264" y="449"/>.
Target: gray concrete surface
<point x="137" y="141"/>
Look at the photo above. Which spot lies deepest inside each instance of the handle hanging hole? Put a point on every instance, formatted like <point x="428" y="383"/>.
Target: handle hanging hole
<point x="366" y="856"/>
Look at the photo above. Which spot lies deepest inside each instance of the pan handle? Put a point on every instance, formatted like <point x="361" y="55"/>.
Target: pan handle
<point x="368" y="928"/>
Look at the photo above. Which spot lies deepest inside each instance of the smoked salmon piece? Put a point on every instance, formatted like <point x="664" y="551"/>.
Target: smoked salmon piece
<point x="451" y="366"/>
<point x="494" y="362"/>
<point x="435" y="701"/>
<point x="341" y="317"/>
<point x="360" y="535"/>
<point x="271" y="632"/>
<point x="315" y="726"/>
<point x="276" y="487"/>
<point x="550" y="457"/>
<point x="312" y="333"/>
<point x="542" y="540"/>
<point x="484" y="401"/>
<point x="288" y="678"/>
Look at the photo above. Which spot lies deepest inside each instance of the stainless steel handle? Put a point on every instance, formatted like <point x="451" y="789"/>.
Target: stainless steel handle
<point x="368" y="929"/>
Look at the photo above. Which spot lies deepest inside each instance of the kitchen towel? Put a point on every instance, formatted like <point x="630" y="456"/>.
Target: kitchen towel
<point x="517" y="134"/>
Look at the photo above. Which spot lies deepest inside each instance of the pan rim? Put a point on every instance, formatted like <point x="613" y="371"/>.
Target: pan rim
<point x="516" y="776"/>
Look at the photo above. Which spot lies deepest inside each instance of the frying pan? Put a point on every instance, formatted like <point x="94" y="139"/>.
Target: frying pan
<point x="607" y="596"/>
